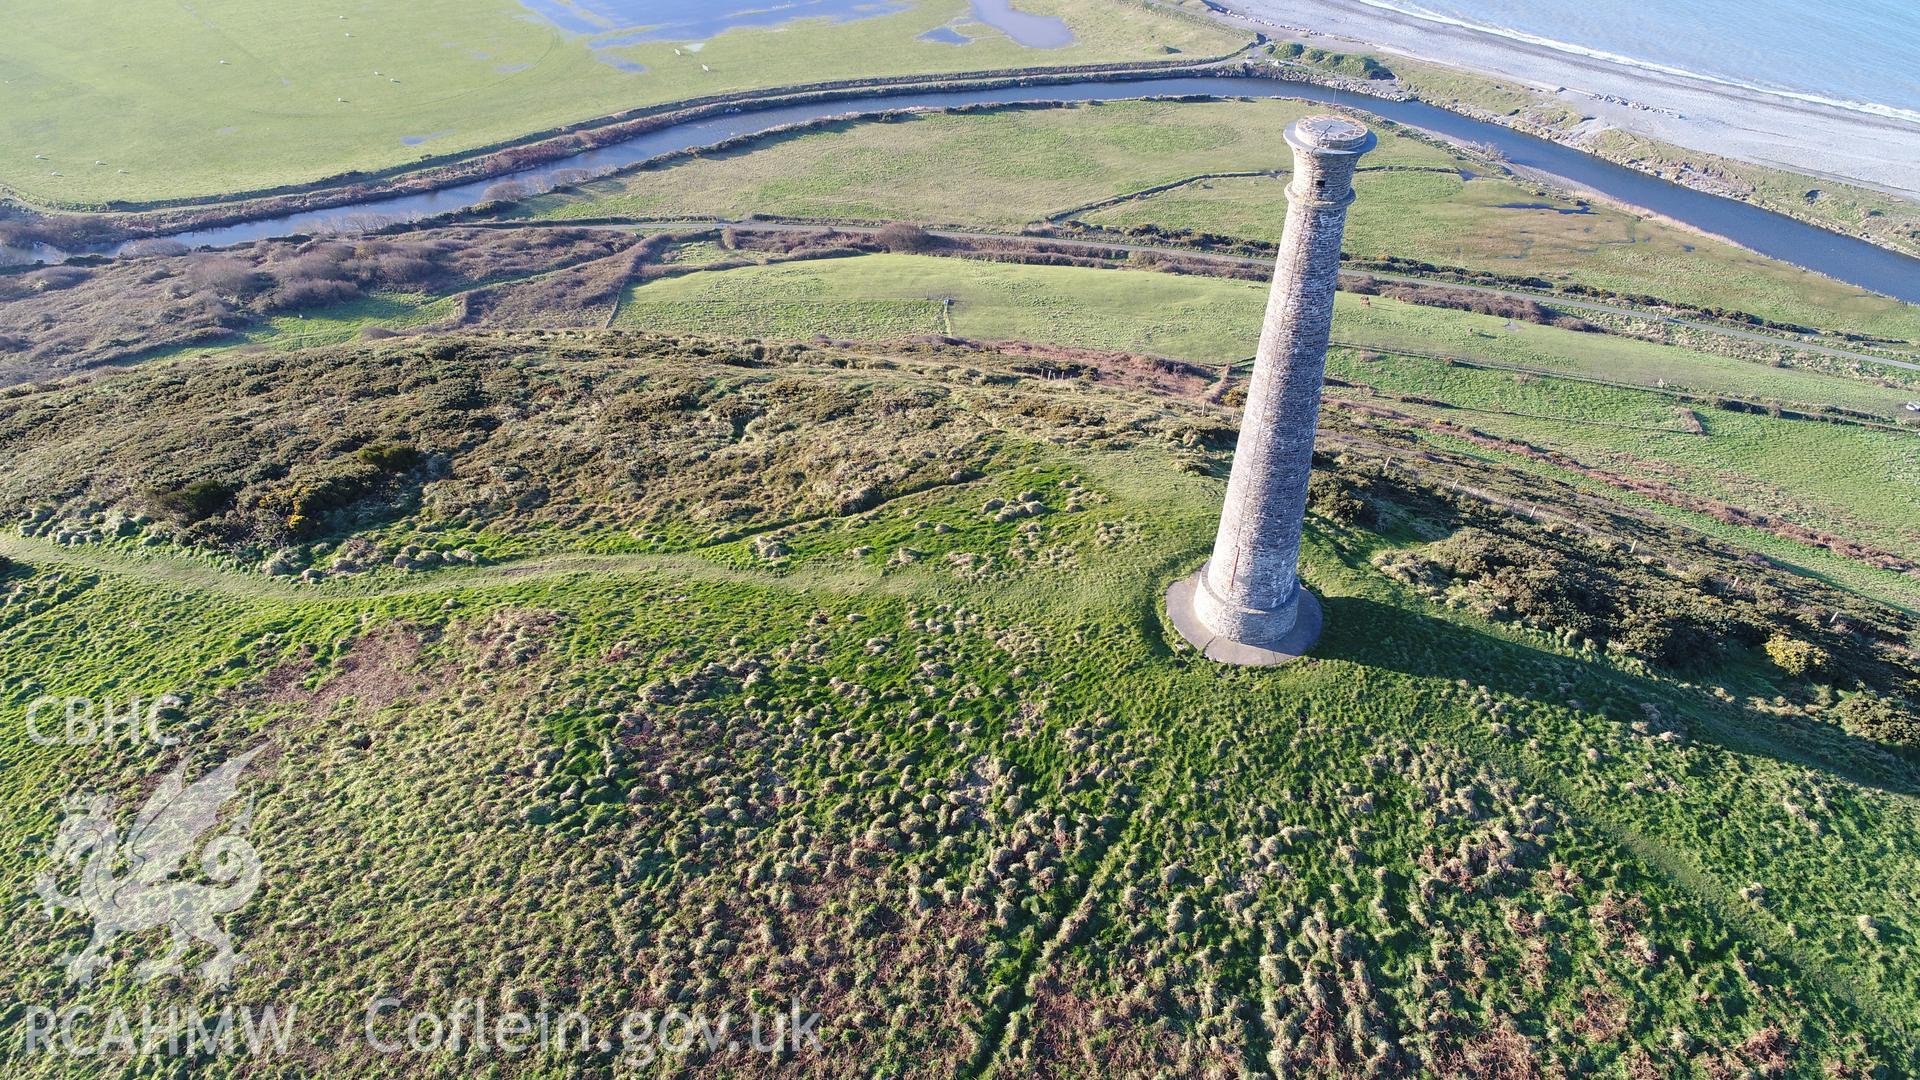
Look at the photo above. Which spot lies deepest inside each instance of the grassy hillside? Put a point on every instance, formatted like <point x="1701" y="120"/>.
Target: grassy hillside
<point x="731" y="623"/>
<point x="105" y="102"/>
<point x="1861" y="482"/>
<point x="1688" y="421"/>
<point x="1691" y="424"/>
<point x="730" y="679"/>
<point x="1006" y="168"/>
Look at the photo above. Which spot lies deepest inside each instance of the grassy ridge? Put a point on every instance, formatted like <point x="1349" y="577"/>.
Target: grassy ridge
<point x="1852" y="480"/>
<point x="238" y="95"/>
<point x="1845" y="479"/>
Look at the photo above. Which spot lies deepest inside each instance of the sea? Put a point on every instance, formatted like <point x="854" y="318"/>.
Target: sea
<point x="1862" y="55"/>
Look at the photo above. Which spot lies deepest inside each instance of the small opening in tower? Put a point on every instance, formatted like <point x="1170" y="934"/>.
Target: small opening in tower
<point x="1320" y="184"/>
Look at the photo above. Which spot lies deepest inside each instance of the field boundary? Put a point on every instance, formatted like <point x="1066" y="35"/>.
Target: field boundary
<point x="1059" y="216"/>
<point x="1689" y="396"/>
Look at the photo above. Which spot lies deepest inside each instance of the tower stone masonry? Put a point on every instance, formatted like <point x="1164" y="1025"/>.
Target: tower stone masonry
<point x="1246" y="605"/>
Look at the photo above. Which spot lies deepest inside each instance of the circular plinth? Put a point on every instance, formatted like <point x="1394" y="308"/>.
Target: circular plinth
<point x="1306" y="630"/>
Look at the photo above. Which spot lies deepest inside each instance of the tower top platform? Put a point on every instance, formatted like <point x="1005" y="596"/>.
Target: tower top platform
<point x="1330" y="135"/>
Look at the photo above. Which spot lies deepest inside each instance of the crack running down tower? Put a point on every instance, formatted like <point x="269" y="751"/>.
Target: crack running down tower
<point x="1246" y="605"/>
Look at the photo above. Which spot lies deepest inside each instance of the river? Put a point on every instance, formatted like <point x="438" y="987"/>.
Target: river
<point x="1843" y="258"/>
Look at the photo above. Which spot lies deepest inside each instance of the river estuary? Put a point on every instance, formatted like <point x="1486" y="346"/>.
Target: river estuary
<point x="1844" y="258"/>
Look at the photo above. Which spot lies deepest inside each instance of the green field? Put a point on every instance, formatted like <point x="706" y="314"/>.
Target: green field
<point x="343" y="322"/>
<point x="1211" y="320"/>
<point x="1858" y="482"/>
<point x="879" y="297"/>
<point x="1006" y="168"/>
<point x="1381" y="323"/>
<point x="131" y="103"/>
<point x="994" y="167"/>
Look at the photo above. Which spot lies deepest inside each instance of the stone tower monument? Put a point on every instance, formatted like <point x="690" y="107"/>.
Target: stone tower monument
<point x="1246" y="606"/>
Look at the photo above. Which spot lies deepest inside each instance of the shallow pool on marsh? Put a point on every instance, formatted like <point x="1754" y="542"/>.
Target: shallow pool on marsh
<point x="946" y="35"/>
<point x="1033" y="31"/>
<point x="694" y="20"/>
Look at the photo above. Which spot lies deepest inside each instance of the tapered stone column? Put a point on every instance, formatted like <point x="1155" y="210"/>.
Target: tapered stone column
<point x="1246" y="606"/>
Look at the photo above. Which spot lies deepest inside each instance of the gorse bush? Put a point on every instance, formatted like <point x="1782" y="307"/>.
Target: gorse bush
<point x="227" y="276"/>
<point x="1882" y="718"/>
<point x="391" y="457"/>
<point x="1335" y="497"/>
<point x="1678" y="629"/>
<point x="1796" y="657"/>
<point x="1573" y="588"/>
<point x="193" y="502"/>
<point x="298" y="508"/>
<point x="312" y="292"/>
<point x="902" y="237"/>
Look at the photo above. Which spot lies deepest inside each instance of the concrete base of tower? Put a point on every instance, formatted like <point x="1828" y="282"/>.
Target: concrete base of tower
<point x="1289" y="646"/>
